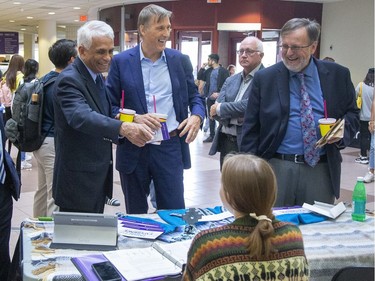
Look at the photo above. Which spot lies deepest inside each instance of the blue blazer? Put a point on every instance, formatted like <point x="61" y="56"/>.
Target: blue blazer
<point x="12" y="179"/>
<point x="126" y="74"/>
<point x="230" y="108"/>
<point x="267" y="113"/>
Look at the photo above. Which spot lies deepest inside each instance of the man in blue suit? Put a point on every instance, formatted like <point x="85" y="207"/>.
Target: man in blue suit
<point x="10" y="186"/>
<point x="155" y="79"/>
<point x="84" y="127"/>
<point x="230" y="106"/>
<point x="273" y="125"/>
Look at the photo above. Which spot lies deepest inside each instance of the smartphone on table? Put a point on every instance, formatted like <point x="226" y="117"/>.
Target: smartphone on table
<point x="106" y="271"/>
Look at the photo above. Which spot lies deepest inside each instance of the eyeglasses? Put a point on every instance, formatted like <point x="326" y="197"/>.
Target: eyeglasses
<point x="247" y="52"/>
<point x="285" y="47"/>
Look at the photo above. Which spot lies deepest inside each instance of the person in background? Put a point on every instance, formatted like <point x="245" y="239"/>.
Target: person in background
<point x="231" y="69"/>
<point x="154" y="79"/>
<point x="10" y="82"/>
<point x="230" y="106"/>
<point x="9" y="187"/>
<point x="281" y="120"/>
<point x="30" y="71"/>
<point x="214" y="77"/>
<point x="255" y="239"/>
<point x="329" y="59"/>
<point x="369" y="177"/>
<point x="61" y="54"/>
<point x="84" y="127"/>
<point x="366" y="89"/>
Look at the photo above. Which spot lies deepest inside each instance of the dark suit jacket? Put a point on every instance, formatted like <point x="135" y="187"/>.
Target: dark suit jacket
<point x="126" y="74"/>
<point x="84" y="132"/>
<point x="267" y="113"/>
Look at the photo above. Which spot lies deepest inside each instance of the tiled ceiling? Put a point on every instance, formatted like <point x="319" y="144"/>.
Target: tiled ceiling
<point x="24" y="17"/>
<point x="14" y="17"/>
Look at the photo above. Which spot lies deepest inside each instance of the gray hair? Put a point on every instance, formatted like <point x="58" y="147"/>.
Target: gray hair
<point x="90" y="29"/>
<point x="152" y="10"/>
<point x="312" y="27"/>
<point x="258" y="42"/>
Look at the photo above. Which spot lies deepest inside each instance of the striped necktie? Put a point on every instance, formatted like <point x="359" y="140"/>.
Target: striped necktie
<point x="311" y="154"/>
<point x="2" y="166"/>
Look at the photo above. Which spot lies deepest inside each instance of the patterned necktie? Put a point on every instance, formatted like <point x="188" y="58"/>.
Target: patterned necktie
<point x="308" y="126"/>
<point x="2" y="166"/>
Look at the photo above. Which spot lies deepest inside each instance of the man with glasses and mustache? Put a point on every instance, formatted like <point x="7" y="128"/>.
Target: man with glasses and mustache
<point x="281" y="120"/>
<point x="231" y="103"/>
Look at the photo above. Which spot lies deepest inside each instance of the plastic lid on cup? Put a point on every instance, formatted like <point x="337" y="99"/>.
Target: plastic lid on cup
<point x="127" y="111"/>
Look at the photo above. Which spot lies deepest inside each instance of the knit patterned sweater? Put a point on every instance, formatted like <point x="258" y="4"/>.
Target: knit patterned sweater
<point x="220" y="254"/>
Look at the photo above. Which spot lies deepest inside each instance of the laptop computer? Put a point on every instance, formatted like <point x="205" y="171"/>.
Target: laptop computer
<point x="84" y="231"/>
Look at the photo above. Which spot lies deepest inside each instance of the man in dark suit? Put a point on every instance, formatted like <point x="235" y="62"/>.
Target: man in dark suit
<point x="230" y="106"/>
<point x="84" y="128"/>
<point x="273" y="123"/>
<point x="9" y="186"/>
<point x="155" y="79"/>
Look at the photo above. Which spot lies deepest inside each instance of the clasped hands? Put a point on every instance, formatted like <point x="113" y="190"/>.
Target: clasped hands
<point x="144" y="126"/>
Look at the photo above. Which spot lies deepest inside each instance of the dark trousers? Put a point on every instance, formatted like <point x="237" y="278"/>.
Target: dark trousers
<point x="227" y="144"/>
<point x="162" y="164"/>
<point x="212" y="122"/>
<point x="364" y="138"/>
<point x="6" y="211"/>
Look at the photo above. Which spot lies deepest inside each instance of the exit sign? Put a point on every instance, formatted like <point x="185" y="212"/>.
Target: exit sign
<point x="213" y="1"/>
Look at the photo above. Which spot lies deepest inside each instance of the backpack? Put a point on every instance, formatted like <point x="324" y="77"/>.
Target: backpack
<point x="24" y="129"/>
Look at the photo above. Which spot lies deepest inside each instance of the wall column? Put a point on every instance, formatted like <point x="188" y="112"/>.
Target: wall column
<point x="71" y="32"/>
<point x="28" y="46"/>
<point x="46" y="37"/>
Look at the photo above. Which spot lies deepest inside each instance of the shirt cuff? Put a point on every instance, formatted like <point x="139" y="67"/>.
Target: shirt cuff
<point x="218" y="109"/>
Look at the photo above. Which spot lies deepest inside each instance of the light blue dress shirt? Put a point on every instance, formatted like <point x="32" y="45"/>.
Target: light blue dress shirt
<point x="293" y="141"/>
<point x="158" y="88"/>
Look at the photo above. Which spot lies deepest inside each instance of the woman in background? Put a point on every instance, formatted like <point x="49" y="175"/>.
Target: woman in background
<point x="31" y="69"/>
<point x="366" y="89"/>
<point x="232" y="69"/>
<point x="255" y="244"/>
<point x="9" y="84"/>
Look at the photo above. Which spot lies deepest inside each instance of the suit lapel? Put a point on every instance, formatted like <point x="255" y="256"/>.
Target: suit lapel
<point x="283" y="86"/>
<point x="173" y="74"/>
<point x="325" y="85"/>
<point x="92" y="94"/>
<point x="136" y="72"/>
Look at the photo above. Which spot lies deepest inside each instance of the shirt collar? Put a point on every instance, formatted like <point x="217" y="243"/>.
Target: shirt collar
<point x="92" y="73"/>
<point x="142" y="56"/>
<point x="308" y="71"/>
<point x="250" y="75"/>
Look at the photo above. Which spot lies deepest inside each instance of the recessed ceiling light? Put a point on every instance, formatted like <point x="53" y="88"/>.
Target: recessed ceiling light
<point x="23" y="29"/>
<point x="29" y="18"/>
<point x="77" y="8"/>
<point x="76" y="20"/>
<point x="17" y="3"/>
<point x="12" y="21"/>
<point x="51" y="13"/>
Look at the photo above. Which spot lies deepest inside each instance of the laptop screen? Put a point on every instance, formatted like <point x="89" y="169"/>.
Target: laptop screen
<point x="86" y="231"/>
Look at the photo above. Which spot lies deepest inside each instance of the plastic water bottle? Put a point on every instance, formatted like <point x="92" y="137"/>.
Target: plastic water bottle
<point x="359" y="201"/>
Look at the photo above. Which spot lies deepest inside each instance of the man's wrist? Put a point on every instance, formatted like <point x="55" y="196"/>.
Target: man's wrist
<point x="200" y="118"/>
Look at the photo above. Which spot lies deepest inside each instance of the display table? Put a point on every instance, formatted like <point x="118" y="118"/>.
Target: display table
<point x="329" y="246"/>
